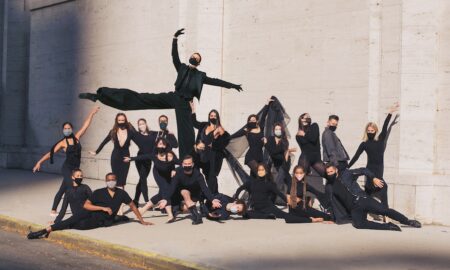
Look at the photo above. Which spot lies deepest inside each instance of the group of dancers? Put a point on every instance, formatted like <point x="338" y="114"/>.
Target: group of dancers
<point x="189" y="183"/>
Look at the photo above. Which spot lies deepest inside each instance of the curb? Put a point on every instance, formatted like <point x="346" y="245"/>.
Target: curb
<point x="122" y="254"/>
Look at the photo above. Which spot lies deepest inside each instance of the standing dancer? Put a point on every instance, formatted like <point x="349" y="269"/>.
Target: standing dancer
<point x="188" y="85"/>
<point x="72" y="147"/>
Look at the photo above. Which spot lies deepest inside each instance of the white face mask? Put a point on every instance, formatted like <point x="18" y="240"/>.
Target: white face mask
<point x="233" y="209"/>
<point x="300" y="177"/>
<point x="278" y="133"/>
<point x="111" y="184"/>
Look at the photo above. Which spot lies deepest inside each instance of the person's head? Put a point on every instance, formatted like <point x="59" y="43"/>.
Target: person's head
<point x="214" y="117"/>
<point x="278" y="130"/>
<point x="263" y="172"/>
<point x="252" y="121"/>
<point x="163" y="121"/>
<point x="304" y="120"/>
<point x="298" y="174"/>
<point x="121" y="121"/>
<point x="77" y="177"/>
<point x="370" y="131"/>
<point x="161" y="145"/>
<point x="142" y="126"/>
<point x="333" y="121"/>
<point x="195" y="59"/>
<point x="238" y="207"/>
<point x="111" y="180"/>
<point x="331" y="170"/>
<point x="67" y="129"/>
<point x="188" y="164"/>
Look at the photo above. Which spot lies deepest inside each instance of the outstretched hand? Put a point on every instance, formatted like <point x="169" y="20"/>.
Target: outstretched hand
<point x="238" y="87"/>
<point x="179" y="32"/>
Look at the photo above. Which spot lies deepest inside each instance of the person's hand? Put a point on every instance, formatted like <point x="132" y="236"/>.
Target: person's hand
<point x="92" y="153"/>
<point x="95" y="109"/>
<point x="37" y="167"/>
<point x="107" y="210"/>
<point x="201" y="146"/>
<point x="192" y="104"/>
<point x="146" y="223"/>
<point x="216" y="203"/>
<point x="301" y="133"/>
<point x="172" y="174"/>
<point x="162" y="204"/>
<point x="394" y="108"/>
<point x="179" y="32"/>
<point x="264" y="139"/>
<point x="378" y="182"/>
<point x="126" y="159"/>
<point x="238" y="87"/>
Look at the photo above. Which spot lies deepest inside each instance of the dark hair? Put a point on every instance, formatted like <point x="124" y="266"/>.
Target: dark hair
<point x="76" y="170"/>
<point x="333" y="116"/>
<point x="163" y="116"/>
<point x="67" y="123"/>
<point x="109" y="174"/>
<point x="113" y="132"/>
<point x="244" y="206"/>
<point x="268" y="176"/>
<point x="284" y="139"/>
<point x="300" y="124"/>
<point x="293" y="191"/>
<point x="199" y="56"/>
<point x="329" y="165"/>
<point x="252" y="115"/>
<point x="75" y="141"/>
<point x="217" y="115"/>
<point x="145" y="121"/>
<point x="186" y="157"/>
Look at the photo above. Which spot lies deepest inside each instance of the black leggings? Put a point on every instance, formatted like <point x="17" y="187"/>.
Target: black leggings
<point x="316" y="163"/>
<point x="67" y="182"/>
<point x="308" y="212"/>
<point x="372" y="190"/>
<point x="263" y="212"/>
<point x="125" y="99"/>
<point x="164" y="188"/>
<point x="363" y="206"/>
<point x="143" y="168"/>
<point x="83" y="221"/>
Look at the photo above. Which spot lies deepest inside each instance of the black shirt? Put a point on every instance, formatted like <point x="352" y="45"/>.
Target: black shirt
<point x="171" y="139"/>
<point x="75" y="197"/>
<point x="276" y="151"/>
<point x="193" y="182"/>
<point x="222" y="211"/>
<point x="146" y="143"/>
<point x="261" y="192"/>
<point x="310" y="143"/>
<point x="101" y="197"/>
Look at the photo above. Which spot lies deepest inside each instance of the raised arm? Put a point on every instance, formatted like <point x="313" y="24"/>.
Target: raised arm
<point x="87" y="122"/>
<point x="238" y="133"/>
<point x="222" y="83"/>
<point x="175" y="56"/>
<point x="312" y="135"/>
<point x="357" y="154"/>
<point x="262" y="120"/>
<point x="383" y="133"/>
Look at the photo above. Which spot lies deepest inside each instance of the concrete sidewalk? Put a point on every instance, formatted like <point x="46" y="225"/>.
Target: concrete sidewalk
<point x="239" y="244"/>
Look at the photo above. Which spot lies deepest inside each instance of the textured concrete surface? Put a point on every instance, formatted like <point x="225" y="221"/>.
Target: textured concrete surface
<point x="238" y="244"/>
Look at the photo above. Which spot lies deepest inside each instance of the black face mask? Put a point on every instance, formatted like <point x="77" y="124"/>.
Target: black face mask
<point x="193" y="61"/>
<point x="78" y="180"/>
<point x="163" y="125"/>
<point x="122" y="125"/>
<point x="332" y="177"/>
<point x="213" y="121"/>
<point x="251" y="125"/>
<point x="188" y="169"/>
<point x="371" y="136"/>
<point x="160" y="150"/>
<point x="308" y="121"/>
<point x="332" y="128"/>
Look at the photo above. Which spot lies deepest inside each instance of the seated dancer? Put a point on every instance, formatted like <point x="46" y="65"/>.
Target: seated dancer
<point x="100" y="210"/>
<point x="188" y="85"/>
<point x="210" y="144"/>
<point x="164" y="161"/>
<point x="261" y="190"/>
<point x="298" y="194"/>
<point x="229" y="207"/>
<point x="190" y="183"/>
<point x="356" y="201"/>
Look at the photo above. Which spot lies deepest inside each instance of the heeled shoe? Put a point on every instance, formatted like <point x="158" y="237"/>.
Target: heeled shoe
<point x="38" y="234"/>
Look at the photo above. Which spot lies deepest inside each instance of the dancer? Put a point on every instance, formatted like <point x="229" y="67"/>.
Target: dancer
<point x="210" y="145"/>
<point x="163" y="132"/>
<point x="375" y="148"/>
<point x="229" y="207"/>
<point x="188" y="85"/>
<point x="70" y="144"/>
<point x="333" y="150"/>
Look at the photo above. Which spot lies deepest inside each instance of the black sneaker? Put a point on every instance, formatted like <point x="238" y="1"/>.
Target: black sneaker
<point x="90" y="96"/>
<point x="393" y="227"/>
<point x="414" y="223"/>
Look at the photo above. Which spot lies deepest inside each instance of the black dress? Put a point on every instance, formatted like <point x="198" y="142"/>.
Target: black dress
<point x="146" y="144"/>
<point x="310" y="146"/>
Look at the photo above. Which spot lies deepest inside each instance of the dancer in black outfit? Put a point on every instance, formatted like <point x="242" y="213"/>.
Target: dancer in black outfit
<point x="229" y="207"/>
<point x="163" y="132"/>
<point x="164" y="161"/>
<point x="188" y="85"/>
<point x="210" y="144"/>
<point x="121" y="134"/>
<point x="145" y="141"/>
<point x="254" y="132"/>
<point x="190" y="183"/>
<point x="261" y="191"/>
<point x="375" y="148"/>
<point x="100" y="210"/>
<point x="298" y="194"/>
<point x="355" y="200"/>
<point x="72" y="147"/>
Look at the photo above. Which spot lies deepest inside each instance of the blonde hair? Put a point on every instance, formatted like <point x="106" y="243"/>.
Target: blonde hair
<point x="372" y="125"/>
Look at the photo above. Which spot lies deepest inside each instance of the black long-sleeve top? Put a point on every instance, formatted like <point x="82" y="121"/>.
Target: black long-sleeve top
<point x="170" y="138"/>
<point x="75" y="197"/>
<point x="255" y="142"/>
<point x="190" y="182"/>
<point x="373" y="148"/>
<point x="222" y="211"/>
<point x="277" y="151"/>
<point x="310" y="142"/>
<point x="146" y="143"/>
<point x="261" y="192"/>
<point x="117" y="147"/>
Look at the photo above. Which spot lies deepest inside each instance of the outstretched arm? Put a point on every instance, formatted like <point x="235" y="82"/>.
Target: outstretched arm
<point x="104" y="142"/>
<point x="45" y="157"/>
<point x="175" y="56"/>
<point x="87" y="122"/>
<point x="357" y="154"/>
<point x="221" y="83"/>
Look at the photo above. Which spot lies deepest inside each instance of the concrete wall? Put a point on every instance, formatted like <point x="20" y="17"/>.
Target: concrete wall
<point x="349" y="57"/>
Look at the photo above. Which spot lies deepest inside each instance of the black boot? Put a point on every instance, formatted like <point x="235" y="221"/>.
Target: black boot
<point x="38" y="234"/>
<point x="196" y="217"/>
<point x="414" y="223"/>
<point x="203" y="209"/>
<point x="393" y="227"/>
<point x="90" y="96"/>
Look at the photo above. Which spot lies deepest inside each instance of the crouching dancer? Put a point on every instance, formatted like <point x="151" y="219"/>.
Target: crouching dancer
<point x="99" y="210"/>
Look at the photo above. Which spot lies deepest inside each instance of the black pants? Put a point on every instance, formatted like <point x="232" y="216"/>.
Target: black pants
<point x="125" y="99"/>
<point x="263" y="211"/>
<point x="81" y="221"/>
<point x="372" y="190"/>
<point x="118" y="167"/>
<point x="313" y="161"/>
<point x="363" y="206"/>
<point x="143" y="168"/>
<point x="308" y="212"/>
<point x="66" y="183"/>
